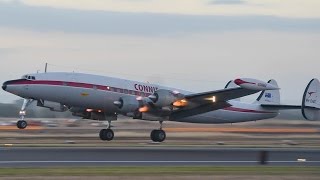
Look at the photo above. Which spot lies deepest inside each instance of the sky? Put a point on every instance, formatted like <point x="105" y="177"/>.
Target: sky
<point x="197" y="45"/>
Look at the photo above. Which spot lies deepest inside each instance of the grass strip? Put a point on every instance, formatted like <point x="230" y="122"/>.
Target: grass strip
<point x="141" y="171"/>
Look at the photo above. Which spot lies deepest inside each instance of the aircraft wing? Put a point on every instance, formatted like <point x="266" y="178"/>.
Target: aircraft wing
<point x="191" y="111"/>
<point x="199" y="103"/>
<point x="210" y="101"/>
<point x="219" y="95"/>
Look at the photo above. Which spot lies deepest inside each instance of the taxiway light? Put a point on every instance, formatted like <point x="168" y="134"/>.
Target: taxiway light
<point x="301" y="160"/>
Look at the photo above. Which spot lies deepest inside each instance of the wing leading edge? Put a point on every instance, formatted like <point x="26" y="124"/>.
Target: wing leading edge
<point x="220" y="95"/>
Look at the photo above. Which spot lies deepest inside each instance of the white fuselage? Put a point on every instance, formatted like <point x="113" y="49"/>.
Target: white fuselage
<point x="100" y="92"/>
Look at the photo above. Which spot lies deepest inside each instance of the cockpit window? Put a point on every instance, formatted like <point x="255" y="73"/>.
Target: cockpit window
<point x="29" y="77"/>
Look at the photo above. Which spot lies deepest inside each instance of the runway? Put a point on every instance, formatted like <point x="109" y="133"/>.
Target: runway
<point x="50" y="157"/>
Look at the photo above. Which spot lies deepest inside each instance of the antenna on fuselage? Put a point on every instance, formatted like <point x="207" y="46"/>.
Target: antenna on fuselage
<point x="46" y="68"/>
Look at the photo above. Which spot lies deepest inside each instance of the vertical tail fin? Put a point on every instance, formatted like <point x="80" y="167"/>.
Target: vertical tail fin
<point x="311" y="101"/>
<point x="269" y="96"/>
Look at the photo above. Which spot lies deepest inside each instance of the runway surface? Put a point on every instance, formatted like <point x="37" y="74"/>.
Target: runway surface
<point x="154" y="156"/>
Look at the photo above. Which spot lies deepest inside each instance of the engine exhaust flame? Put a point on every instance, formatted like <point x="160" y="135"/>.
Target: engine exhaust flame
<point x="180" y="103"/>
<point x="144" y="109"/>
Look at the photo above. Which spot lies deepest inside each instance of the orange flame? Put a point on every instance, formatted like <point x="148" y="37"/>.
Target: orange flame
<point x="181" y="103"/>
<point x="144" y="109"/>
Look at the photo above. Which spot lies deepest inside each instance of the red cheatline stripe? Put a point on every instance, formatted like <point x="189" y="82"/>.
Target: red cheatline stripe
<point x="78" y="85"/>
<point x="54" y="83"/>
<point x="245" y="110"/>
<point x="26" y="82"/>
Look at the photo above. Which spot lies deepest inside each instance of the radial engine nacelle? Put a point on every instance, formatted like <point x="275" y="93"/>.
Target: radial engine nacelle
<point x="164" y="98"/>
<point x="129" y="105"/>
<point x="254" y="84"/>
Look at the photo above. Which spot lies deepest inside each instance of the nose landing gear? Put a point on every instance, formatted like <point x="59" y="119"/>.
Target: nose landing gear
<point x="22" y="124"/>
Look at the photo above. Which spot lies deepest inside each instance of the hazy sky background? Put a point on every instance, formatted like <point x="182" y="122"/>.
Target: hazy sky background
<point x="196" y="45"/>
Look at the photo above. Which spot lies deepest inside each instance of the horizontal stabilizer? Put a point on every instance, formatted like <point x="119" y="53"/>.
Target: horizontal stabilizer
<point x="280" y="107"/>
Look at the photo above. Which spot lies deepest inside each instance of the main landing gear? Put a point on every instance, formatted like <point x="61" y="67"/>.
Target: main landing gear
<point x="158" y="135"/>
<point x="22" y="124"/>
<point x="107" y="134"/>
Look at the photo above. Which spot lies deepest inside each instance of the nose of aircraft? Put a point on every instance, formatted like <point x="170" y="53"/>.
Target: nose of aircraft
<point x="4" y="86"/>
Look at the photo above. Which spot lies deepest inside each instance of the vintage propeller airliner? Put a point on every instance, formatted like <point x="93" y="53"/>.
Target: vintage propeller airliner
<point x="103" y="98"/>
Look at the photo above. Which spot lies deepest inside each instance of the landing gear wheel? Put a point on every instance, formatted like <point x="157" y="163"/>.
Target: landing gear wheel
<point x="106" y="134"/>
<point x="22" y="124"/>
<point x="152" y="135"/>
<point x="158" y="135"/>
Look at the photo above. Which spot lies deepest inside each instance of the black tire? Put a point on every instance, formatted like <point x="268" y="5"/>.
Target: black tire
<point x="152" y="135"/>
<point x="106" y="135"/>
<point x="161" y="135"/>
<point x="22" y="124"/>
<point x="158" y="135"/>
